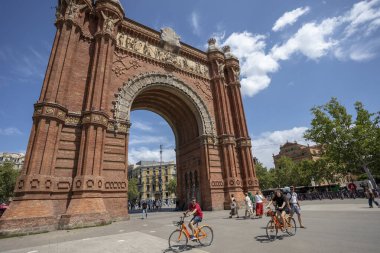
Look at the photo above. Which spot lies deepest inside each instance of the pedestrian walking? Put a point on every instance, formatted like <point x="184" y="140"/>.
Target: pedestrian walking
<point x="371" y="197"/>
<point x="295" y="206"/>
<point x="234" y="207"/>
<point x="253" y="201"/>
<point x="144" y="210"/>
<point x="259" y="204"/>
<point x="248" y="206"/>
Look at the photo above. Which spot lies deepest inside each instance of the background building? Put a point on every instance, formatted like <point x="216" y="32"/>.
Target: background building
<point x="298" y="152"/>
<point x="16" y="158"/>
<point x="153" y="178"/>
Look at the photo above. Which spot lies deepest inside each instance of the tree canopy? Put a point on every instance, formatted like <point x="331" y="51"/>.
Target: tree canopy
<point x="172" y="186"/>
<point x="350" y="145"/>
<point x="8" y="176"/>
<point x="133" y="192"/>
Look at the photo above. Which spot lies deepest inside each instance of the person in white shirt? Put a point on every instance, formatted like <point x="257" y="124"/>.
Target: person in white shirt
<point x="248" y="206"/>
<point x="295" y="206"/>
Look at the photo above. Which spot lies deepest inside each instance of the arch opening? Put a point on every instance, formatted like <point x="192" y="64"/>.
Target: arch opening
<point x="188" y="117"/>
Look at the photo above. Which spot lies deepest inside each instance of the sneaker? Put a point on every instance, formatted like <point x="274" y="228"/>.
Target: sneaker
<point x="192" y="238"/>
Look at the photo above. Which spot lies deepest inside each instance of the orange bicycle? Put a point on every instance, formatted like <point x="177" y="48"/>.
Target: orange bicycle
<point x="274" y="225"/>
<point x="179" y="238"/>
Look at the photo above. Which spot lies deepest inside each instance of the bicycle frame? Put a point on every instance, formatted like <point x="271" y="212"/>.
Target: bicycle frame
<point x="197" y="230"/>
<point x="276" y="220"/>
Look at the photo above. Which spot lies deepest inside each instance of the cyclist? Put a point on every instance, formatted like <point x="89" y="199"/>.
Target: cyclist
<point x="195" y="210"/>
<point x="280" y="203"/>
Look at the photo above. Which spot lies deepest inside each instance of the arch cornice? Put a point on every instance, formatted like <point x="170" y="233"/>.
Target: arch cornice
<point x="133" y="87"/>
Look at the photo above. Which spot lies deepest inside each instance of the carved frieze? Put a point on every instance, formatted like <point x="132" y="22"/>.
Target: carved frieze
<point x="244" y="142"/>
<point x="227" y="139"/>
<point x="117" y="127"/>
<point x="72" y="120"/>
<point x="95" y="118"/>
<point x="50" y="110"/>
<point x="136" y="45"/>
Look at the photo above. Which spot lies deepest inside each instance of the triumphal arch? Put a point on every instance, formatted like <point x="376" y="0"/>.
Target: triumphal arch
<point x="103" y="66"/>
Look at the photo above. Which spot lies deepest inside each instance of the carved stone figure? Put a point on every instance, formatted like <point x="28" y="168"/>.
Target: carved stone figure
<point x="73" y="9"/>
<point x="236" y="72"/>
<point x="148" y="49"/>
<point x="109" y="23"/>
<point x="121" y="39"/>
<point x="58" y="10"/>
<point x="220" y="68"/>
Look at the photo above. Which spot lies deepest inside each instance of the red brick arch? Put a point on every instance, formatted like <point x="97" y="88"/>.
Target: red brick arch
<point x="102" y="66"/>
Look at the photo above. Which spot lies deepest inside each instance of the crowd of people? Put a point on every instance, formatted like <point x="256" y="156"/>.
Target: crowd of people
<point x="284" y="201"/>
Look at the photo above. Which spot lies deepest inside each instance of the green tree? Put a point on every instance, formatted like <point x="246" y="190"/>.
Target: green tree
<point x="266" y="179"/>
<point x="8" y="176"/>
<point x="133" y="192"/>
<point x="172" y="186"/>
<point x="349" y="146"/>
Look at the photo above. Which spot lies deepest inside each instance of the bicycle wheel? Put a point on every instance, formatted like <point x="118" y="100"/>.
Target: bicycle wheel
<point x="292" y="228"/>
<point x="205" y="235"/>
<point x="178" y="240"/>
<point x="271" y="231"/>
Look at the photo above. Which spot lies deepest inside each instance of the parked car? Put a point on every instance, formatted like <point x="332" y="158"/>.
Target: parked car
<point x="3" y="207"/>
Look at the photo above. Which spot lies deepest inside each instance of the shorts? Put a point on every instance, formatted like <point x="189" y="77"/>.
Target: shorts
<point x="196" y="219"/>
<point x="295" y="209"/>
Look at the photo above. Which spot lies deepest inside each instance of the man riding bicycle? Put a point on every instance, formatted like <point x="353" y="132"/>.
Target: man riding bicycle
<point x="195" y="210"/>
<point x="280" y="203"/>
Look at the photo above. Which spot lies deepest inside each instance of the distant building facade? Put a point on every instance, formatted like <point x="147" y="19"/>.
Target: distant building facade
<point x="298" y="152"/>
<point x="16" y="158"/>
<point x="153" y="179"/>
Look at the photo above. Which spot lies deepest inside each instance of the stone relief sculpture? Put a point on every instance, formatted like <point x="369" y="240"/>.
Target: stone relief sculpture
<point x="121" y="37"/>
<point x="170" y="39"/>
<point x="145" y="48"/>
<point x="109" y="23"/>
<point x="73" y="9"/>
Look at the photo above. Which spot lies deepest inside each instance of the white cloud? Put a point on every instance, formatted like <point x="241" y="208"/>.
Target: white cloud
<point x="10" y="131"/>
<point x="255" y="63"/>
<point x="289" y="18"/>
<point x="312" y="40"/>
<point x="194" y="20"/>
<point x="146" y="154"/>
<point x="146" y="139"/>
<point x="360" y="15"/>
<point x="141" y="126"/>
<point x="268" y="143"/>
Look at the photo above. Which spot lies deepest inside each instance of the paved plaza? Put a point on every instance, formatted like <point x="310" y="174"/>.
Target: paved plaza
<point x="332" y="226"/>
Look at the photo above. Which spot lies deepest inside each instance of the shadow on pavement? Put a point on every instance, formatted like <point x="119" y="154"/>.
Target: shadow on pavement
<point x="265" y="239"/>
<point x="187" y="248"/>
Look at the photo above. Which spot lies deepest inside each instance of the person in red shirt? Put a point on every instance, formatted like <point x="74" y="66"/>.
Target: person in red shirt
<point x="195" y="210"/>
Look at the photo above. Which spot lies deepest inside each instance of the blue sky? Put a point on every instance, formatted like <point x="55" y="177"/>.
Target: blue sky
<point x="294" y="55"/>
